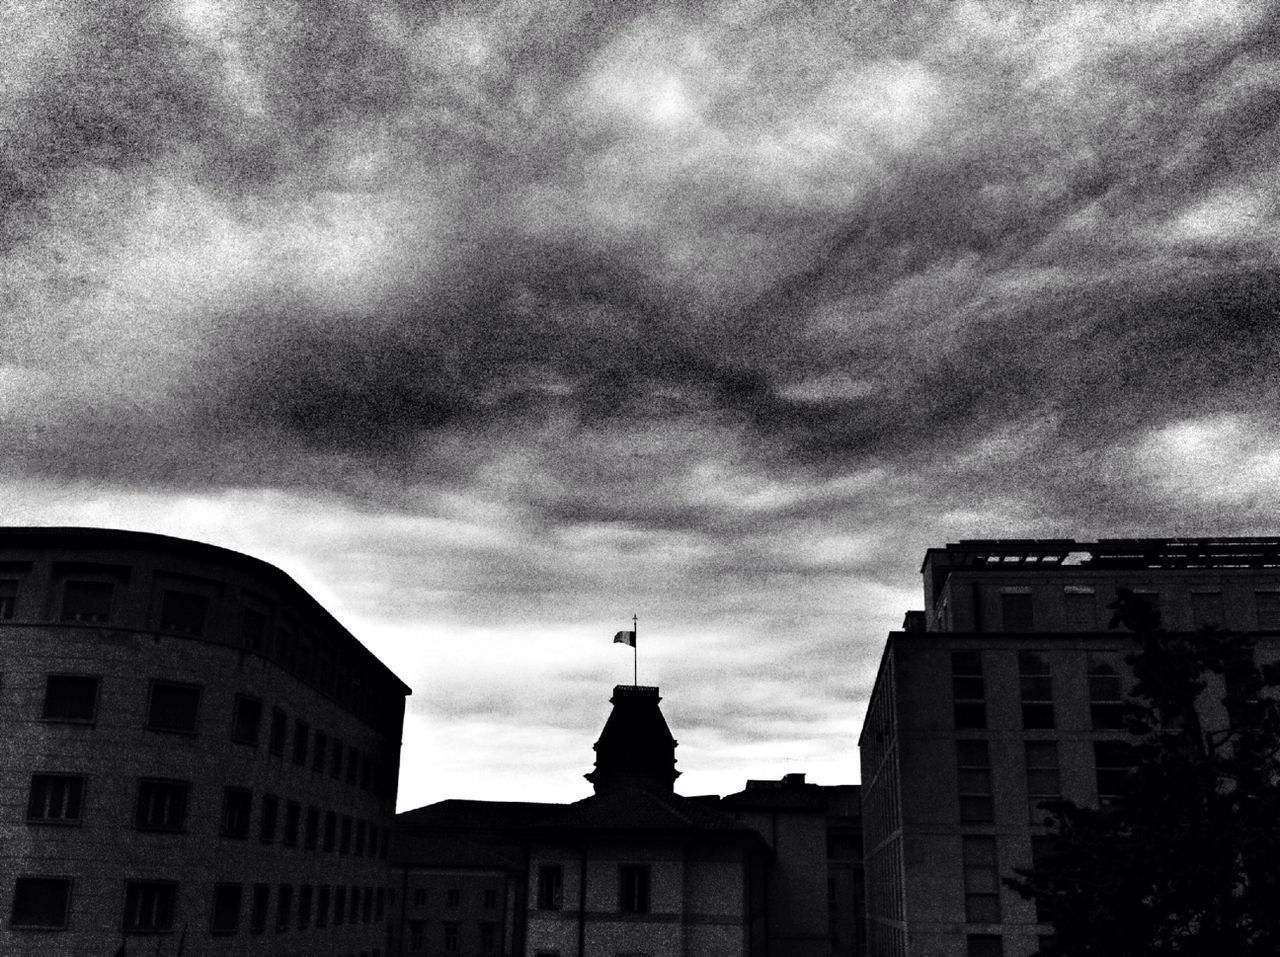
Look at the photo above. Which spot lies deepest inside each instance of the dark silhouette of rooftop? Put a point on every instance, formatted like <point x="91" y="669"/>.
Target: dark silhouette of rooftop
<point x="636" y="748"/>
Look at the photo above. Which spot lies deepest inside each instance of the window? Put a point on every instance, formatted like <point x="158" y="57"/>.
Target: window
<point x="246" y="720"/>
<point x="173" y="707"/>
<point x="353" y="765"/>
<point x="292" y="818"/>
<point x="1037" y="689"/>
<point x="322" y="906"/>
<point x="366" y="906"/>
<point x="550" y="887"/>
<point x="304" y="907"/>
<point x="984" y="945"/>
<point x="981" y="880"/>
<point x="451" y="937"/>
<point x="148" y="905"/>
<point x="1106" y="696"/>
<point x="339" y="904"/>
<point x="344" y="843"/>
<point x="453" y="897"/>
<point x="312" y="833"/>
<point x="41" y="902"/>
<point x="353" y="915"/>
<point x="267" y="825"/>
<point x="381" y="904"/>
<point x="1267" y="606"/>
<point x="88" y="602"/>
<point x="55" y="798"/>
<point x="973" y="766"/>
<point x="183" y="612"/>
<point x="1080" y="608"/>
<point x="968" y="690"/>
<point x="335" y="765"/>
<point x="279" y="725"/>
<point x="490" y="897"/>
<point x="1043" y="780"/>
<point x="415" y="935"/>
<point x="237" y="804"/>
<point x="1206" y="610"/>
<point x="419" y="897"/>
<point x="1112" y="763"/>
<point x="1042" y="852"/>
<point x="161" y="806"/>
<point x="253" y="627"/>
<point x="284" y="907"/>
<point x="301" y="737"/>
<point x="226" y="908"/>
<point x="360" y="831"/>
<point x="330" y="830"/>
<point x="633" y="888"/>
<point x="319" y="751"/>
<point x="261" y="905"/>
<point x="8" y="598"/>
<point x="70" y="698"/>
<point x="1015" y="611"/>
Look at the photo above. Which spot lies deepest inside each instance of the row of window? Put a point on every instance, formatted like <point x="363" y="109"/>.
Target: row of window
<point x="174" y="707"/>
<point x="453" y="897"/>
<point x="633" y="888"/>
<point x="1080" y="608"/>
<point x="1035" y="680"/>
<point x="187" y="611"/>
<point x="44" y="903"/>
<point x="161" y="805"/>
<point x="1112" y="763"/>
<point x="450" y="935"/>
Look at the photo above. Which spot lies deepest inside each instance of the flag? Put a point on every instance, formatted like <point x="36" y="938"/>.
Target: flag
<point x="626" y="638"/>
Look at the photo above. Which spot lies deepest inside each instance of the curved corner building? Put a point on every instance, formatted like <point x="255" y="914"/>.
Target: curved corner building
<point x="197" y="757"/>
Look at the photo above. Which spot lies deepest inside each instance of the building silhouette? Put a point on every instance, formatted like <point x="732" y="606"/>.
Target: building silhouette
<point x="1005" y="692"/>
<point x="634" y="868"/>
<point x="198" y="758"/>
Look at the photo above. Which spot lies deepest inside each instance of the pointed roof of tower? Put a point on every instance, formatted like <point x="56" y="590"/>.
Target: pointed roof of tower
<point x="636" y="748"/>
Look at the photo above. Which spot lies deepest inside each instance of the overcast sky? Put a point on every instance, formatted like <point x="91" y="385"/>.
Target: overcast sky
<point x="496" y="323"/>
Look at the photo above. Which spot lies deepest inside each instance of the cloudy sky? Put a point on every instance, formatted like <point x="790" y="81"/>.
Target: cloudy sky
<point x="496" y="323"/>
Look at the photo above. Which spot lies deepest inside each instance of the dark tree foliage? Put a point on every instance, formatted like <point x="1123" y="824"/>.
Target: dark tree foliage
<point x="1187" y="860"/>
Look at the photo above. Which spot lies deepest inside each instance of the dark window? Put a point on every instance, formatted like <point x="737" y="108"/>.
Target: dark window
<point x="490" y="897"/>
<point x="973" y="769"/>
<point x="1037" y="689"/>
<point x="237" y="805"/>
<point x="304" y="906"/>
<point x="1106" y="694"/>
<point x="339" y="904"/>
<point x="344" y="843"/>
<point x="162" y="805"/>
<point x="41" y="902"/>
<point x="70" y="698"/>
<point x="253" y="626"/>
<point x="1113" y="761"/>
<point x="968" y="690"/>
<point x="284" y="907"/>
<point x="322" y="906"/>
<point x="1042" y="852"/>
<point x="1043" y="782"/>
<point x="488" y="938"/>
<point x="335" y="766"/>
<point x="1267" y="607"/>
<point x="353" y="765"/>
<point x="292" y="818"/>
<point x="174" y="707"/>
<point x="319" y="751"/>
<point x="550" y="887"/>
<point x="981" y="880"/>
<point x="360" y="831"/>
<point x="330" y="830"/>
<point x="366" y="772"/>
<point x="633" y="888"/>
<point x="1015" y="611"/>
<point x="301" y="738"/>
<point x="415" y="935"/>
<point x="453" y="897"/>
<point x="312" y="833"/>
<point x="1206" y="609"/>
<point x="353" y="915"/>
<point x="226" y="908"/>
<point x="246" y="720"/>
<point x="984" y="945"/>
<point x="451" y="937"/>
<point x="87" y="602"/>
<point x="366" y="906"/>
<point x="267" y="825"/>
<point x="261" y="905"/>
<point x="148" y="905"/>
<point x="279" y="727"/>
<point x="8" y="598"/>
<point x="183" y="612"/>
<point x="55" y="798"/>
<point x="380" y="907"/>
<point x="420" y="898"/>
<point x="1080" y="608"/>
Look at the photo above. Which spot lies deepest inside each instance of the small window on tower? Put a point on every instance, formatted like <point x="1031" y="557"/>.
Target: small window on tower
<point x="88" y="602"/>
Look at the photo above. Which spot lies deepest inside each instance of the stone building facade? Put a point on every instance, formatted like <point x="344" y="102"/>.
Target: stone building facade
<point x="197" y="758"/>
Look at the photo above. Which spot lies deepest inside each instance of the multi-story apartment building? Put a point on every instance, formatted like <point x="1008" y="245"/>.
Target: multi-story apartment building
<point x="198" y="757"/>
<point x="1004" y="692"/>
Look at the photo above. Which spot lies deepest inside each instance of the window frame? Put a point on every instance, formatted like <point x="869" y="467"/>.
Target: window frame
<point x="75" y="787"/>
<point x="63" y="718"/>
<point x="68" y="884"/>
<point x="170" y="685"/>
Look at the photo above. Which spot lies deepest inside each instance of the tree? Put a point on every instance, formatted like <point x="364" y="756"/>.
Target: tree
<point x="1187" y="859"/>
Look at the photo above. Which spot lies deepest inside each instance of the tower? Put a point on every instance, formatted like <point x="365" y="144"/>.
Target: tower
<point x="636" y="748"/>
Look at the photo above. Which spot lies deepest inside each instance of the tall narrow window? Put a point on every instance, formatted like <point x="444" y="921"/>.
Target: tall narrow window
<point x="55" y="798"/>
<point x="174" y="707"/>
<point x="246" y="720"/>
<point x="260" y="907"/>
<point x="451" y="937"/>
<point x="1267" y="608"/>
<point x="253" y="628"/>
<point x="1042" y="852"/>
<point x="183" y="612"/>
<point x="304" y="906"/>
<point x="330" y="830"/>
<point x="267" y="823"/>
<point x="1106" y="694"/>
<point x="1015" y="611"/>
<point x="981" y="880"/>
<point x="292" y="819"/>
<point x="1036" y="685"/>
<point x="319" y="751"/>
<point x="301" y="738"/>
<point x="71" y="698"/>
<point x="1043" y="779"/>
<point x="335" y="765"/>
<point x="1080" y="608"/>
<point x="1206" y="609"/>
<point x="984" y="945"/>
<point x="8" y="598"/>
<point x="148" y="905"/>
<point x="226" y="908"/>
<point x="550" y="887"/>
<point x="416" y="935"/>
<point x="161" y="805"/>
<point x="633" y="888"/>
<point x="968" y="689"/>
<point x="279" y="727"/>
<point x="87" y="602"/>
<point x="339" y="904"/>
<point x="322" y="906"/>
<point x="237" y="804"/>
<point x="1113" y="761"/>
<point x="42" y="902"/>
<point x="311" y="836"/>
<point x="284" y="907"/>
<point x="973" y="766"/>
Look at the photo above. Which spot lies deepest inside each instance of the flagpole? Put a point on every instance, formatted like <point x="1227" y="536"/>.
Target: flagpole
<point x="635" y="642"/>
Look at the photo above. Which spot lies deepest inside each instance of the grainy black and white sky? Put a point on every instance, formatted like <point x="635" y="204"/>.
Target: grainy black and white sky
<point x="494" y="323"/>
